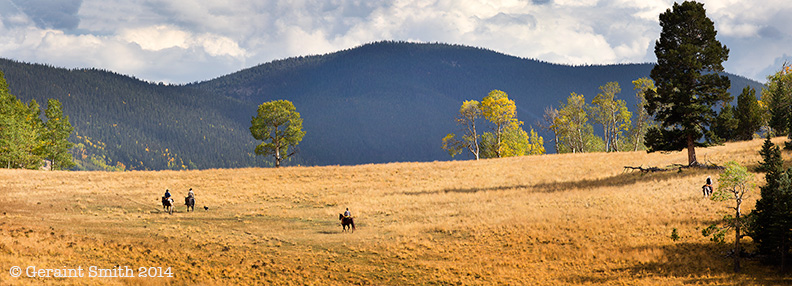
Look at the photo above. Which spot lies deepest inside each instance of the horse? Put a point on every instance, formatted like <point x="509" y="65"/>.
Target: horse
<point x="190" y="203"/>
<point x="346" y="222"/>
<point x="707" y="190"/>
<point x="167" y="205"/>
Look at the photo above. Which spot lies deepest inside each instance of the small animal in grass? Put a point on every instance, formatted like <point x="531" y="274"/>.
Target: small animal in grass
<point x="206" y="208"/>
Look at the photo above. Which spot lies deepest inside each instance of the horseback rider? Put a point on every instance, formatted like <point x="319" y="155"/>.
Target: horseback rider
<point x="167" y="194"/>
<point x="190" y="194"/>
<point x="708" y="186"/>
<point x="347" y="214"/>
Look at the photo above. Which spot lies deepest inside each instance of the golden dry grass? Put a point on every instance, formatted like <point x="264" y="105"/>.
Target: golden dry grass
<point x="539" y="220"/>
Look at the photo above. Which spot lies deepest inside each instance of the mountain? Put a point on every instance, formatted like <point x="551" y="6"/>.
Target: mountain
<point x="380" y="102"/>
<point x="119" y="119"/>
<point x="394" y="101"/>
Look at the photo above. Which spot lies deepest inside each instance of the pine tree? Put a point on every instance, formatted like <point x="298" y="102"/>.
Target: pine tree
<point x="724" y="128"/>
<point x="783" y="223"/>
<point x="748" y="114"/>
<point x="279" y="125"/>
<point x="777" y="93"/>
<point x="769" y="233"/>
<point x="689" y="84"/>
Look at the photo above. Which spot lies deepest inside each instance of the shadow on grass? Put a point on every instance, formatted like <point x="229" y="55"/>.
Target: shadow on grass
<point x="623" y="179"/>
<point x="690" y="263"/>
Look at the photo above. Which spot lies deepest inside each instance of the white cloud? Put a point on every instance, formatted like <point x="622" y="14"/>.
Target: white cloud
<point x="156" y="38"/>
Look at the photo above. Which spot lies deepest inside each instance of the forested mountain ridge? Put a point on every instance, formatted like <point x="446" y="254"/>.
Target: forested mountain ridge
<point x="380" y="102"/>
<point x="126" y="123"/>
<point x="394" y="101"/>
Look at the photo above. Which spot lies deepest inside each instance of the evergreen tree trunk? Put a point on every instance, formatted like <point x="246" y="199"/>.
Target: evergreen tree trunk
<point x="691" y="146"/>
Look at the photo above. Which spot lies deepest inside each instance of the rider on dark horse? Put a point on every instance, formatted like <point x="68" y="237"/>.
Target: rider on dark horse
<point x="167" y="203"/>
<point x="347" y="220"/>
<point x="189" y="201"/>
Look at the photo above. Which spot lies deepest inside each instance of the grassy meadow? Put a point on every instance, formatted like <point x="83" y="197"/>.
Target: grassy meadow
<point x="539" y="220"/>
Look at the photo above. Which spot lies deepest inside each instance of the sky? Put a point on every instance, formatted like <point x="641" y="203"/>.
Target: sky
<point x="182" y="41"/>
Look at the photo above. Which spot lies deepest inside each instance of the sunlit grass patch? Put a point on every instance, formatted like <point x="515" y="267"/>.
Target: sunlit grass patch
<point x="547" y="220"/>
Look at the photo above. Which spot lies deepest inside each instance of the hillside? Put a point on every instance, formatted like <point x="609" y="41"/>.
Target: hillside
<point x="140" y="125"/>
<point x="380" y="102"/>
<point x="539" y="220"/>
<point x="395" y="101"/>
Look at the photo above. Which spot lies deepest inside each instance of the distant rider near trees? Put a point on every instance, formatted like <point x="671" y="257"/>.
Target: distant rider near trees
<point x="279" y="125"/>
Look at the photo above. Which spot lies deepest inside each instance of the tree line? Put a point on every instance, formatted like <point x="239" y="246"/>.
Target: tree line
<point x="26" y="140"/>
<point x="506" y="138"/>
<point x="573" y="131"/>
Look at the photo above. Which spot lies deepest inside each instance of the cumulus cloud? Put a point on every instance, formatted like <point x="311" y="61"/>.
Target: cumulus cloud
<point x="185" y="41"/>
<point x="156" y="38"/>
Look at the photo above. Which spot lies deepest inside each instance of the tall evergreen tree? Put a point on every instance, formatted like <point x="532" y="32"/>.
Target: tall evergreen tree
<point x="769" y="233"/>
<point x="688" y="79"/>
<point x="783" y="223"/>
<point x="748" y="114"/>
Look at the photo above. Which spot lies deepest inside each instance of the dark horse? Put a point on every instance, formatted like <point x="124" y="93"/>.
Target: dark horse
<point x="190" y="203"/>
<point x="346" y="222"/>
<point x="167" y="205"/>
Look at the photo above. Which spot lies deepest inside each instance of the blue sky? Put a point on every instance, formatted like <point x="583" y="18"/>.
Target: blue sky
<point x="182" y="41"/>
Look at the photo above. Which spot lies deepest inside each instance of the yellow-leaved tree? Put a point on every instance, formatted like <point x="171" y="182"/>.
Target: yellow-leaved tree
<point x="468" y="114"/>
<point x="507" y="137"/>
<point x="612" y="113"/>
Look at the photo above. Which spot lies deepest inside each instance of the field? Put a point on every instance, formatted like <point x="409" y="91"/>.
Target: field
<point x="539" y="220"/>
